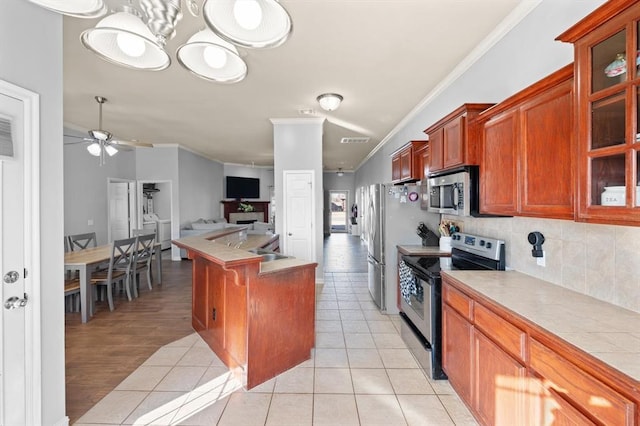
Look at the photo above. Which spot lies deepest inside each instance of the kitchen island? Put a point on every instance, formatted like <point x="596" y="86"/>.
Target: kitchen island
<point x="256" y="314"/>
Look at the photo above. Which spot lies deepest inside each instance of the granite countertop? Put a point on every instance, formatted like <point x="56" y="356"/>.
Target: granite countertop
<point x="233" y="254"/>
<point x="603" y="330"/>
<point x="418" y="250"/>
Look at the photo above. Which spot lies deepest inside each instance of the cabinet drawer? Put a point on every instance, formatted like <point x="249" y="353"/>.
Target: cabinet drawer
<point x="457" y="300"/>
<point x="511" y="338"/>
<point x="591" y="395"/>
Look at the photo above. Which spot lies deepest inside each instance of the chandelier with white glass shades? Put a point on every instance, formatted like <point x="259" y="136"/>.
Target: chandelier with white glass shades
<point x="135" y="35"/>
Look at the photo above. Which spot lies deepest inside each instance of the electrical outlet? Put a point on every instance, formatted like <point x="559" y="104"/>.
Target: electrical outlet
<point x="90" y="222"/>
<point x="542" y="261"/>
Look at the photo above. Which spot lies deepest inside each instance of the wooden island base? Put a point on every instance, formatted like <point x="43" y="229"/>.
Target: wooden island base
<point x="258" y="317"/>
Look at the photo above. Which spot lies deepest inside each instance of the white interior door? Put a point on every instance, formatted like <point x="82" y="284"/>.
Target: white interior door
<point x="15" y="266"/>
<point x="121" y="210"/>
<point x="299" y="214"/>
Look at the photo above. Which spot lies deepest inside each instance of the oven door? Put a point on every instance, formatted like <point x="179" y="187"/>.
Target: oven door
<point x="416" y="300"/>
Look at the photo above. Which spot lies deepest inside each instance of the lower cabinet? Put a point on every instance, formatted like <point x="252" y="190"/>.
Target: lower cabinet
<point x="499" y="383"/>
<point x="456" y="351"/>
<point x="259" y="323"/>
<point x="509" y="372"/>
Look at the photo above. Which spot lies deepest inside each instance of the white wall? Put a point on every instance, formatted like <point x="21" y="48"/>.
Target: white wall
<point x="298" y="146"/>
<point x="200" y="187"/>
<point x="85" y="187"/>
<point x="24" y="29"/>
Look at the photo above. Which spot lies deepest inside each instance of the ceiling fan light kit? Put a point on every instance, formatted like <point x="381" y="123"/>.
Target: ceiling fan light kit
<point x="136" y="38"/>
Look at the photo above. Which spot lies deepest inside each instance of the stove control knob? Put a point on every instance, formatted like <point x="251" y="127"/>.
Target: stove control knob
<point x="489" y="245"/>
<point x="481" y="243"/>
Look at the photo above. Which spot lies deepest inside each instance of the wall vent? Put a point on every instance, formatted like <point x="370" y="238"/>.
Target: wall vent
<point x="354" y="140"/>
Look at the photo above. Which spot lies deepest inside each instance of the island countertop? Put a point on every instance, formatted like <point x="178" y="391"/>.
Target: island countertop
<point x="603" y="330"/>
<point x="213" y="247"/>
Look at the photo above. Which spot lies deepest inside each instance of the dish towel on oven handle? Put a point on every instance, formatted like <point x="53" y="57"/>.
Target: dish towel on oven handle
<point x="407" y="281"/>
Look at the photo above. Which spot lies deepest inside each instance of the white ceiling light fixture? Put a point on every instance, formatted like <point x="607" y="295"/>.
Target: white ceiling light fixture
<point x="248" y="23"/>
<point x="340" y="173"/>
<point x="329" y="101"/>
<point x="211" y="58"/>
<point x="122" y="38"/>
<point x="76" y="8"/>
<point x="135" y="36"/>
<point x="101" y="149"/>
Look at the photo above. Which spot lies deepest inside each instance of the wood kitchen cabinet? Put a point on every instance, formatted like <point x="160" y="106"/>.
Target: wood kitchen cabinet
<point x="454" y="139"/>
<point x="421" y="161"/>
<point x="510" y="371"/>
<point x="257" y="316"/>
<point x="485" y="376"/>
<point x="607" y="100"/>
<point x="527" y="153"/>
<point x="405" y="164"/>
<point x="456" y="351"/>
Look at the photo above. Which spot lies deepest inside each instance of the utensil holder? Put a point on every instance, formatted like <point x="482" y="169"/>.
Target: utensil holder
<point x="445" y="244"/>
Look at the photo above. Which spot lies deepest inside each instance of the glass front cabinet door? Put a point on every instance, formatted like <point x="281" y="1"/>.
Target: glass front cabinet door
<point x="607" y="60"/>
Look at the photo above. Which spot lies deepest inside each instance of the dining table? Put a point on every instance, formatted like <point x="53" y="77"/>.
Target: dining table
<point x="85" y="261"/>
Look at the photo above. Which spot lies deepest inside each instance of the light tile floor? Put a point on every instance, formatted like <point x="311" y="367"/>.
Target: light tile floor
<point x="360" y="373"/>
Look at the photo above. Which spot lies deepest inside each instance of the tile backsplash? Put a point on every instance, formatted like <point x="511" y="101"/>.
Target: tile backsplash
<point x="602" y="261"/>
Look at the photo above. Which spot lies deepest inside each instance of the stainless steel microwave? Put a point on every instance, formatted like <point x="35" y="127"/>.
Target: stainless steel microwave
<point x="452" y="193"/>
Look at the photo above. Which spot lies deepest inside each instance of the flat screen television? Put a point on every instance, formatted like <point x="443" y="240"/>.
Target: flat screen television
<point x="242" y="187"/>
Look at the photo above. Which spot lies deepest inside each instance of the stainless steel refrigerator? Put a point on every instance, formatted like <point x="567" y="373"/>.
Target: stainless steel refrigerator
<point x="375" y="243"/>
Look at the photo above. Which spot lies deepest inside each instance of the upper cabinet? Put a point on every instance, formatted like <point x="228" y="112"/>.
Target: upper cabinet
<point x="407" y="162"/>
<point x="527" y="151"/>
<point x="453" y="141"/>
<point x="607" y="56"/>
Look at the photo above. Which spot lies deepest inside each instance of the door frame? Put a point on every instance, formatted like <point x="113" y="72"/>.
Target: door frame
<point x="133" y="205"/>
<point x="31" y="169"/>
<point x="346" y="211"/>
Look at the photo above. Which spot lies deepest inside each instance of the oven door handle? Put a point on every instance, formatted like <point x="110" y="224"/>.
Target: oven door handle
<point x="424" y="342"/>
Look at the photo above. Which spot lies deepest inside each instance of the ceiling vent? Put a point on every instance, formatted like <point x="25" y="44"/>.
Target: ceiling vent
<point x="354" y="140"/>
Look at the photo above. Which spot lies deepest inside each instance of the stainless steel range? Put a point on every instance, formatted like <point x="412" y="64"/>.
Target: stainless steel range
<point x="421" y="301"/>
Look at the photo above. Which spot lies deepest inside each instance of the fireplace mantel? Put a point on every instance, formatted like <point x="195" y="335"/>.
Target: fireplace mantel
<point x="261" y="207"/>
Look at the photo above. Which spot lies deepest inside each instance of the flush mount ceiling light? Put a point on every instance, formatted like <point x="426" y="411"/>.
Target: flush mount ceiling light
<point x="135" y="36"/>
<point x="340" y="173"/>
<point x="329" y="101"/>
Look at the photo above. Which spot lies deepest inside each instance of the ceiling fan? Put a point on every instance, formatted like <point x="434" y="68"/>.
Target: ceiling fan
<point x="101" y="142"/>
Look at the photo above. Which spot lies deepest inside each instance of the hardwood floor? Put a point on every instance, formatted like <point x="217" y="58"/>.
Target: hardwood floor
<point x="107" y="349"/>
<point x="104" y="351"/>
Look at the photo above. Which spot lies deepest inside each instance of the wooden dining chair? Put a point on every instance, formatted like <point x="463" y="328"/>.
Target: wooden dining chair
<point x="120" y="263"/>
<point x="72" y="294"/>
<point x="83" y="241"/>
<point x="144" y="252"/>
